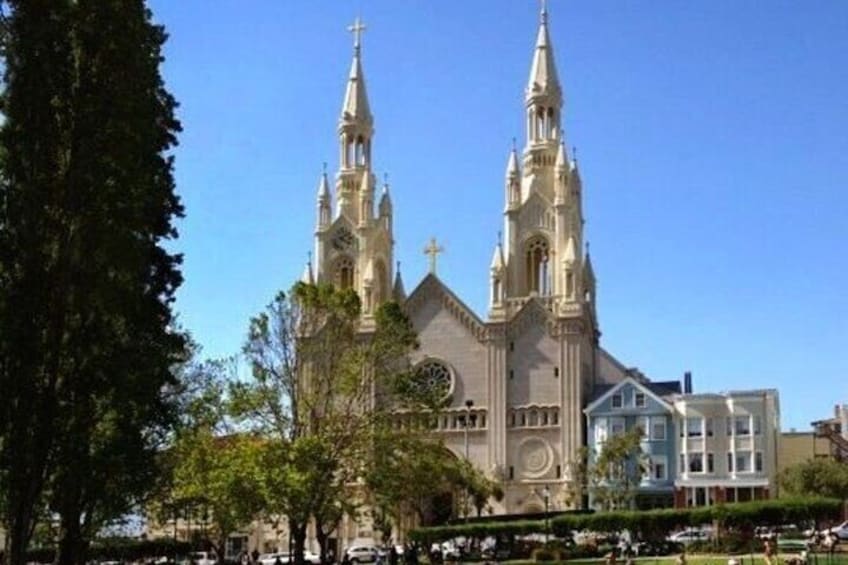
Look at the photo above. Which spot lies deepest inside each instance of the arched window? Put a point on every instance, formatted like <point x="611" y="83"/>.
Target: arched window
<point x="551" y="130"/>
<point x="540" y="123"/>
<point x="537" y="266"/>
<point x="344" y="273"/>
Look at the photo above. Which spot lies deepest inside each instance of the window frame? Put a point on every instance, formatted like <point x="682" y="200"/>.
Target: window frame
<point x="617" y="396"/>
<point x="615" y="421"/>
<point x="759" y="462"/>
<point x="700" y="429"/>
<point x="693" y="456"/>
<point x="658" y="421"/>
<point x="661" y="460"/>
<point x="639" y="394"/>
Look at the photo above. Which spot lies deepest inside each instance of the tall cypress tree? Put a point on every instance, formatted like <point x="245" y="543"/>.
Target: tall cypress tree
<point x="36" y="234"/>
<point x="109" y="365"/>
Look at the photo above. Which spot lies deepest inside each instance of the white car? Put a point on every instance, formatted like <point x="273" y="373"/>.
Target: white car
<point x="202" y="558"/>
<point x="688" y="536"/>
<point x="271" y="558"/>
<point x="840" y="531"/>
<point x="362" y="553"/>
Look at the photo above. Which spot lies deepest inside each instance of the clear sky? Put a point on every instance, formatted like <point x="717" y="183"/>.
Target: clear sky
<point x="712" y="138"/>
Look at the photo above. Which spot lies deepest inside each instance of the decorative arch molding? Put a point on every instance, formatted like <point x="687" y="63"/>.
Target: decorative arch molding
<point x="532" y="314"/>
<point x="537" y="214"/>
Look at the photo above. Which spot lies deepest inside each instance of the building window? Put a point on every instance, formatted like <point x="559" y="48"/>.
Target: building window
<point x="728" y="425"/>
<point x="344" y="273"/>
<point x="639" y="400"/>
<point x="556" y="372"/>
<point x="742" y="426"/>
<point x="618" y="400"/>
<point x="600" y="431"/>
<point x="555" y="417"/>
<point x="710" y="463"/>
<point x="558" y="471"/>
<point x="511" y="472"/>
<point x="743" y="462"/>
<point x="537" y="266"/>
<point x="758" y="424"/>
<point x="694" y="427"/>
<point x="659" y="468"/>
<point x="434" y="377"/>
<point x="758" y="462"/>
<point x="642" y="422"/>
<point x="709" y="425"/>
<point x="729" y="462"/>
<point x="696" y="462"/>
<point x="617" y="426"/>
<point x="681" y="463"/>
<point x="511" y="374"/>
<point x="658" y="428"/>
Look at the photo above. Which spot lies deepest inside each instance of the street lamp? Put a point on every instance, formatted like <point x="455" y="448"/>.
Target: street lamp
<point x="468" y="404"/>
<point x="546" y="494"/>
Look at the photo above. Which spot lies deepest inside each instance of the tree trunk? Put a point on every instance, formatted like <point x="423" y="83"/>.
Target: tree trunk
<point x="322" y="538"/>
<point x="70" y="536"/>
<point x="298" y="535"/>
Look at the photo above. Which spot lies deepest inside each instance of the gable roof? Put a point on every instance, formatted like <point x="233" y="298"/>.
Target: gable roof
<point x="655" y="392"/>
<point x="432" y="287"/>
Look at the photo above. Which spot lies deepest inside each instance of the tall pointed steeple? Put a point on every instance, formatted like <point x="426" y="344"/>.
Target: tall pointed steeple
<point x="543" y="74"/>
<point x="355" y="249"/>
<point x="356" y="128"/>
<point x="543" y="103"/>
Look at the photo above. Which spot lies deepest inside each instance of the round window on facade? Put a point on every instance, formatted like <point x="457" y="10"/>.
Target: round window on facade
<point x="435" y="377"/>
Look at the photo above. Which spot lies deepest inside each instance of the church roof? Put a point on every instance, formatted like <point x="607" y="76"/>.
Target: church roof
<point x="543" y="73"/>
<point x="355" y="107"/>
<point x="432" y="284"/>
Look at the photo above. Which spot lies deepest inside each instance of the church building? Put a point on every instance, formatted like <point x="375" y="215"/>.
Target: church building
<point x="518" y="380"/>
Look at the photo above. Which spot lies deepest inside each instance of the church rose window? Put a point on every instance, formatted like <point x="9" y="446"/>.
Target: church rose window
<point x="435" y="376"/>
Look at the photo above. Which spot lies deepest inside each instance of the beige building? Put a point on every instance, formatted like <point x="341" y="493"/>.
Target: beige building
<point x="827" y="439"/>
<point x="727" y="447"/>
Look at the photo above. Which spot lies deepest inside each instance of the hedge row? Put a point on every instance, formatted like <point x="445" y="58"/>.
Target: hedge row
<point x="650" y="524"/>
<point x="119" y="549"/>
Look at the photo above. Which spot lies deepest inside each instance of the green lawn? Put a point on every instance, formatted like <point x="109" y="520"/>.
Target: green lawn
<point x="815" y="559"/>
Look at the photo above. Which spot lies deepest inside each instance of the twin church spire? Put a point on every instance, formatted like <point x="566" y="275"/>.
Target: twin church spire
<point x="541" y="254"/>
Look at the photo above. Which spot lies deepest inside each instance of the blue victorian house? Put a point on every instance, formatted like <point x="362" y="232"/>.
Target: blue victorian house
<point x="635" y="401"/>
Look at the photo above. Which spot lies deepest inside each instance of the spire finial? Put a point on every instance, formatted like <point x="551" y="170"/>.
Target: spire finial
<point x="513" y="144"/>
<point x="587" y="247"/>
<point x="544" y="12"/>
<point x="386" y="179"/>
<point x="309" y="257"/>
<point x="574" y="153"/>
<point x="324" y="168"/>
<point x="356" y="29"/>
<point x="397" y="266"/>
<point x="500" y="236"/>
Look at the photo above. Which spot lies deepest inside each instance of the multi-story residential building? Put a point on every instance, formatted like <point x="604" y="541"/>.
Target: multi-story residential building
<point x="726" y="446"/>
<point x="633" y="402"/>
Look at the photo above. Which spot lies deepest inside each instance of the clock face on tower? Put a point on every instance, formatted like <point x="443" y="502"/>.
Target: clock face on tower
<point x="342" y="239"/>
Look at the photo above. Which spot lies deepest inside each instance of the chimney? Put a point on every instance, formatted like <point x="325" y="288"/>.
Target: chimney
<point x="687" y="382"/>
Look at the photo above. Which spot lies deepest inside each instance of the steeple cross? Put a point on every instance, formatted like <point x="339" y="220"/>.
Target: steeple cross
<point x="432" y="250"/>
<point x="356" y="29"/>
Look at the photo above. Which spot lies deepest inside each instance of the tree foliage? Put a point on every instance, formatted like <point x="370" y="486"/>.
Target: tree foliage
<point x="87" y="337"/>
<point x="816" y="477"/>
<point x="614" y="474"/>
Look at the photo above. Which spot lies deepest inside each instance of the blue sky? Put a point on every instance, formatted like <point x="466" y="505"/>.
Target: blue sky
<point x="711" y="138"/>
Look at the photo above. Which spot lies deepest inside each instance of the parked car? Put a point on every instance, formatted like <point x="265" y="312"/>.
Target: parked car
<point x="285" y="558"/>
<point x="688" y="536"/>
<point x="202" y="558"/>
<point x="362" y="553"/>
<point x="841" y="531"/>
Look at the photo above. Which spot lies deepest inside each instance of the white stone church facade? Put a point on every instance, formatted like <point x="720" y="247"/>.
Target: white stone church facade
<point x="521" y="377"/>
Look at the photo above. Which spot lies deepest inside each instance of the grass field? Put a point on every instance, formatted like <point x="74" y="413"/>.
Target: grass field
<point x="756" y="559"/>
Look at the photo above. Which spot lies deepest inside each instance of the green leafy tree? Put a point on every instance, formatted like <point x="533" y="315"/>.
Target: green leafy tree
<point x="321" y="393"/>
<point x="816" y="477"/>
<point x="616" y="471"/>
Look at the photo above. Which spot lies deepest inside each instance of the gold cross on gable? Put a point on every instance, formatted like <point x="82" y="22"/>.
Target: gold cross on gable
<point x="356" y="29"/>
<point x="432" y="250"/>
